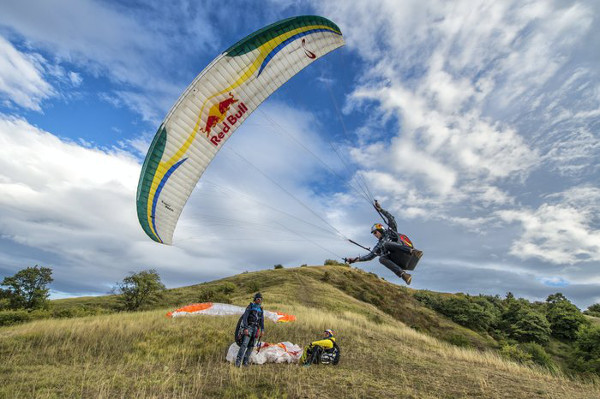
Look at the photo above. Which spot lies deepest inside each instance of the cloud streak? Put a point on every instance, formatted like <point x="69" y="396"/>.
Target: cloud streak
<point x="22" y="79"/>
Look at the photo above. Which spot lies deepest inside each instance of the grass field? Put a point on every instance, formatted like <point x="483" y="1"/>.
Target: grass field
<point x="147" y="355"/>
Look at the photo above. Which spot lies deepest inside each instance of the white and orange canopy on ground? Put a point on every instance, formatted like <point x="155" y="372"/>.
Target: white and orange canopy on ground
<point x="224" y="309"/>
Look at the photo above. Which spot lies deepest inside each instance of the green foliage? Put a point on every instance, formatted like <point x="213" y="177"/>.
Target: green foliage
<point x="513" y="352"/>
<point x="219" y="293"/>
<point x="4" y="300"/>
<point x="140" y="289"/>
<point x="522" y="322"/>
<point x="528" y="353"/>
<point x="428" y="299"/>
<point x="466" y="312"/>
<point x="538" y="355"/>
<point x="10" y="317"/>
<point x="529" y="326"/>
<point x="564" y="317"/>
<point x="279" y="266"/>
<point x="253" y="286"/>
<point x="28" y="288"/>
<point x="586" y="355"/>
<point x="476" y="313"/>
<point x="593" y="310"/>
<point x="78" y="311"/>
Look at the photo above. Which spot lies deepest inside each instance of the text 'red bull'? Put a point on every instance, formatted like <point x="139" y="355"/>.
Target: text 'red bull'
<point x="228" y="124"/>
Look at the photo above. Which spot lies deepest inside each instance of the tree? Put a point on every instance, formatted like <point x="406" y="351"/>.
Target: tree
<point x="466" y="312"/>
<point x="530" y="326"/>
<point x="586" y="356"/>
<point x="28" y="288"/>
<point x="593" y="310"/>
<point x="522" y="323"/>
<point x="564" y="317"/>
<point x="139" y="289"/>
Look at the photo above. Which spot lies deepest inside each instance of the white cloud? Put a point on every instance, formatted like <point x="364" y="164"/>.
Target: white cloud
<point x="565" y="230"/>
<point x="22" y="77"/>
<point x="450" y="73"/>
<point x="135" y="47"/>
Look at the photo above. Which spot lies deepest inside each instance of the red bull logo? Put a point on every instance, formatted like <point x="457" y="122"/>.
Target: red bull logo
<point x="217" y="113"/>
<point x="227" y="123"/>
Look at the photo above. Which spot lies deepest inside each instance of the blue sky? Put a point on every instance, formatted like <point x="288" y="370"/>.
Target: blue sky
<point x="475" y="123"/>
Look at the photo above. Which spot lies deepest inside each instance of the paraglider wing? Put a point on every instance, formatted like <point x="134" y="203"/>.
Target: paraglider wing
<point x="215" y="104"/>
<point x="225" y="309"/>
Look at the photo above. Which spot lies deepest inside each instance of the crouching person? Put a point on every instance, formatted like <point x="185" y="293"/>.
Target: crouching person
<point x="323" y="351"/>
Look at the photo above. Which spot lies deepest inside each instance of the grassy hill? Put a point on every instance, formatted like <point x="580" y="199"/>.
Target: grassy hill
<point x="392" y="347"/>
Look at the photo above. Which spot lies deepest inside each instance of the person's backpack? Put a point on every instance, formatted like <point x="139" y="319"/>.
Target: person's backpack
<point x="404" y="238"/>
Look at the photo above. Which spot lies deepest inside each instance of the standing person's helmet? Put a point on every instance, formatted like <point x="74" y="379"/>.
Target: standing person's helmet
<point x="377" y="227"/>
<point x="258" y="295"/>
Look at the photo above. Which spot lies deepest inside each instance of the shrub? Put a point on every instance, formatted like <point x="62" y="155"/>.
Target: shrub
<point x="278" y="266"/>
<point x="10" y="317"/>
<point x="253" y="286"/>
<point x="593" y="310"/>
<point x="538" y="355"/>
<point x="218" y="293"/>
<point x="586" y="355"/>
<point x="512" y="352"/>
<point x="428" y="299"/>
<point x="78" y="311"/>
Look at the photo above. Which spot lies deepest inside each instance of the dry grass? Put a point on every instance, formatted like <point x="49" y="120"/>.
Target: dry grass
<point x="147" y="355"/>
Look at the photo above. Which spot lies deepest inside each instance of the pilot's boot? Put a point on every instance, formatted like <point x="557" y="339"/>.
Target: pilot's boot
<point x="406" y="277"/>
<point x="416" y="253"/>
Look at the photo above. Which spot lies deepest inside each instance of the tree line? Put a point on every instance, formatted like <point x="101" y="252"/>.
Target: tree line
<point x="26" y="295"/>
<point x="524" y="329"/>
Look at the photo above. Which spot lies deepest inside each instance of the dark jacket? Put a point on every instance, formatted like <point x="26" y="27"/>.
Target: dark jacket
<point x="253" y="316"/>
<point x="389" y="235"/>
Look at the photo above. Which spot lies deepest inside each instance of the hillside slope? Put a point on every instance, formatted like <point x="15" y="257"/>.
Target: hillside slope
<point x="145" y="354"/>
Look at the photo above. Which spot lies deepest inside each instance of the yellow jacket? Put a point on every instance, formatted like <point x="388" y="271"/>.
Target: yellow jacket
<point x="324" y="343"/>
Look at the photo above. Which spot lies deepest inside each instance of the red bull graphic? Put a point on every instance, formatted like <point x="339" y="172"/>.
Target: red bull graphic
<point x="217" y="113"/>
<point x="227" y="123"/>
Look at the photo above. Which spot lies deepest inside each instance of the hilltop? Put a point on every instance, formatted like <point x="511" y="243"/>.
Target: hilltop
<point x="392" y="347"/>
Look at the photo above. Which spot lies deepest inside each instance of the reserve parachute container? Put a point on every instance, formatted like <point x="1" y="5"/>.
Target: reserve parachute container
<point x="214" y="105"/>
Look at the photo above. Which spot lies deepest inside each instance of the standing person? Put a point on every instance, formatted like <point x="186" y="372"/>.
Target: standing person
<point x="389" y="246"/>
<point x="252" y="327"/>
